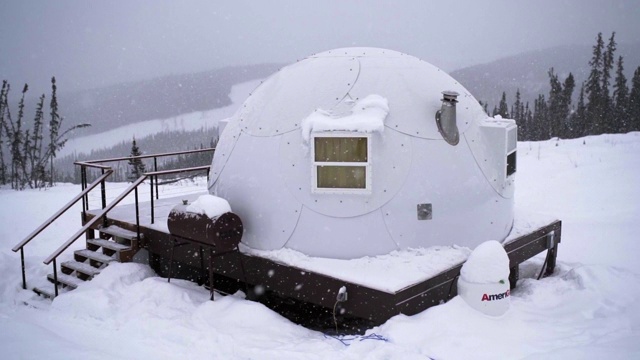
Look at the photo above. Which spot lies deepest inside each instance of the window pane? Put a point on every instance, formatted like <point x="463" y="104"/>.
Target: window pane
<point x="511" y="163"/>
<point x="341" y="149"/>
<point x="345" y="177"/>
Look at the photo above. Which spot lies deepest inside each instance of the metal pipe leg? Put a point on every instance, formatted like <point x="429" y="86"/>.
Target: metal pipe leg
<point x="173" y="249"/>
<point x="211" y="289"/>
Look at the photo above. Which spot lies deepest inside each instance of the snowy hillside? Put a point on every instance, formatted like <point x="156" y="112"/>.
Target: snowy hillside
<point x="589" y="309"/>
<point x="185" y="122"/>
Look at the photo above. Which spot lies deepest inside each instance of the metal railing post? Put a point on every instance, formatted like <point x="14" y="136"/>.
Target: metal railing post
<point x="85" y="198"/>
<point x="55" y="277"/>
<point x="24" y="276"/>
<point x="152" y="206"/>
<point x="155" y="168"/>
<point x="103" y="191"/>
<point x="137" y="214"/>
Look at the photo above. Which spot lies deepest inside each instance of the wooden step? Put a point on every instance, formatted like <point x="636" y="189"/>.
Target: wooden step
<point x="48" y="291"/>
<point x="66" y="280"/>
<point x="119" y="232"/>
<point x="82" y="268"/>
<point x="83" y="255"/>
<point x="108" y="244"/>
<point x="119" y="252"/>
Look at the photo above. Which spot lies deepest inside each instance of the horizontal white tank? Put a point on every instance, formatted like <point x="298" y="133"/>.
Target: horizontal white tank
<point x="360" y="187"/>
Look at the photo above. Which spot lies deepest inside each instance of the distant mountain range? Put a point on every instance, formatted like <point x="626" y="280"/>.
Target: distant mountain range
<point x="528" y="72"/>
<point x="160" y="98"/>
<point x="127" y="103"/>
<point x="165" y="97"/>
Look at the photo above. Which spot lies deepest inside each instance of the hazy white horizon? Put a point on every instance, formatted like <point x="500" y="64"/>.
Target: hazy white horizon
<point x="88" y="44"/>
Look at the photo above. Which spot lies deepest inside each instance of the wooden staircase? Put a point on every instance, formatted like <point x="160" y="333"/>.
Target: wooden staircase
<point x="114" y="244"/>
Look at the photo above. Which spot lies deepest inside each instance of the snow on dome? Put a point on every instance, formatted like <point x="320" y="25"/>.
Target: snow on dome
<point x="367" y="115"/>
<point x="488" y="263"/>
<point x="209" y="205"/>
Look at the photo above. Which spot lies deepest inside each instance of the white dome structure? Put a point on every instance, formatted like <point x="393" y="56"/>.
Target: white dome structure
<point x="356" y="152"/>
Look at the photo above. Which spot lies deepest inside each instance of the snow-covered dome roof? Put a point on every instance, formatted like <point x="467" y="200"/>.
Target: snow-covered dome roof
<point x="374" y="174"/>
<point x="335" y="78"/>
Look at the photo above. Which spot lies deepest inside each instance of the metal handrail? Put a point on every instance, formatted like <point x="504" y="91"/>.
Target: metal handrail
<point x="62" y="210"/>
<point x="20" y="246"/>
<point x="89" y="164"/>
<point x="127" y="191"/>
<point x="86" y="188"/>
<point x="92" y="163"/>
<point x="95" y="219"/>
<point x="145" y="156"/>
<point x="83" y="184"/>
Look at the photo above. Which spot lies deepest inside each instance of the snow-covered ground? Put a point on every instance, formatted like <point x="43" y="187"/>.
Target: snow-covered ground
<point x="589" y="309"/>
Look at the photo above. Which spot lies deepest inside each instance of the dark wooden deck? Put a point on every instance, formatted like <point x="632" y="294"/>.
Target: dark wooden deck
<point x="237" y="270"/>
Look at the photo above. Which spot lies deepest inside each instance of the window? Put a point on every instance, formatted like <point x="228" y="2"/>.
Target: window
<point x="341" y="163"/>
<point x="512" y="143"/>
<point x="511" y="163"/>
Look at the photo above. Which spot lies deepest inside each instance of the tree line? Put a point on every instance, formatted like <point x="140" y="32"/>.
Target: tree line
<point x="137" y="167"/>
<point x="603" y="105"/>
<point x="29" y="156"/>
<point x="156" y="143"/>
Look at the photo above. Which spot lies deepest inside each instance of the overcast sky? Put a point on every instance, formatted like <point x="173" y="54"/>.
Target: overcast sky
<point x="87" y="44"/>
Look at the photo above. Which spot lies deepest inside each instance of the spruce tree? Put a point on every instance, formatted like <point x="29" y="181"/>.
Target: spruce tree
<point x="594" y="91"/>
<point x="25" y="173"/>
<point x="503" y="108"/>
<point x="54" y="128"/>
<point x="20" y="155"/>
<point x="35" y="151"/>
<point x="3" y="169"/>
<point x="607" y="103"/>
<point x="517" y="113"/>
<point x="485" y="106"/>
<point x="517" y="110"/>
<point x="633" y="109"/>
<point x="540" y="119"/>
<point x="136" y="165"/>
<point x="495" y="111"/>
<point x="528" y="120"/>
<point x="26" y="147"/>
<point x="16" y="135"/>
<point x="565" y="106"/>
<point x="578" y="120"/>
<point x="554" y="105"/>
<point x="620" y="99"/>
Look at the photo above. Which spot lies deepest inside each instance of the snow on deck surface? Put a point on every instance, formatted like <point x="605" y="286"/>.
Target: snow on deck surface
<point x="390" y="273"/>
<point x="399" y="269"/>
<point x="588" y="309"/>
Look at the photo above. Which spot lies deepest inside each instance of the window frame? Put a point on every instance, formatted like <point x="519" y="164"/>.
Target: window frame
<point x="315" y="164"/>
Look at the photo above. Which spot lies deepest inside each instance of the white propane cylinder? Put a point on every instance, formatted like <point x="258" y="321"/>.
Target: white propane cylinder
<point x="484" y="279"/>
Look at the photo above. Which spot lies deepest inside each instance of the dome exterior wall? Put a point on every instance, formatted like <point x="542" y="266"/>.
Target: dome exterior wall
<point x="421" y="191"/>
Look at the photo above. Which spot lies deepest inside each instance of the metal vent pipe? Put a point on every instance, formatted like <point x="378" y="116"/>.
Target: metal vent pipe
<point x="446" y="118"/>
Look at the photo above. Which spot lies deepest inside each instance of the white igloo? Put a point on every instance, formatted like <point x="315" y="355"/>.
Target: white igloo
<point x="341" y="155"/>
